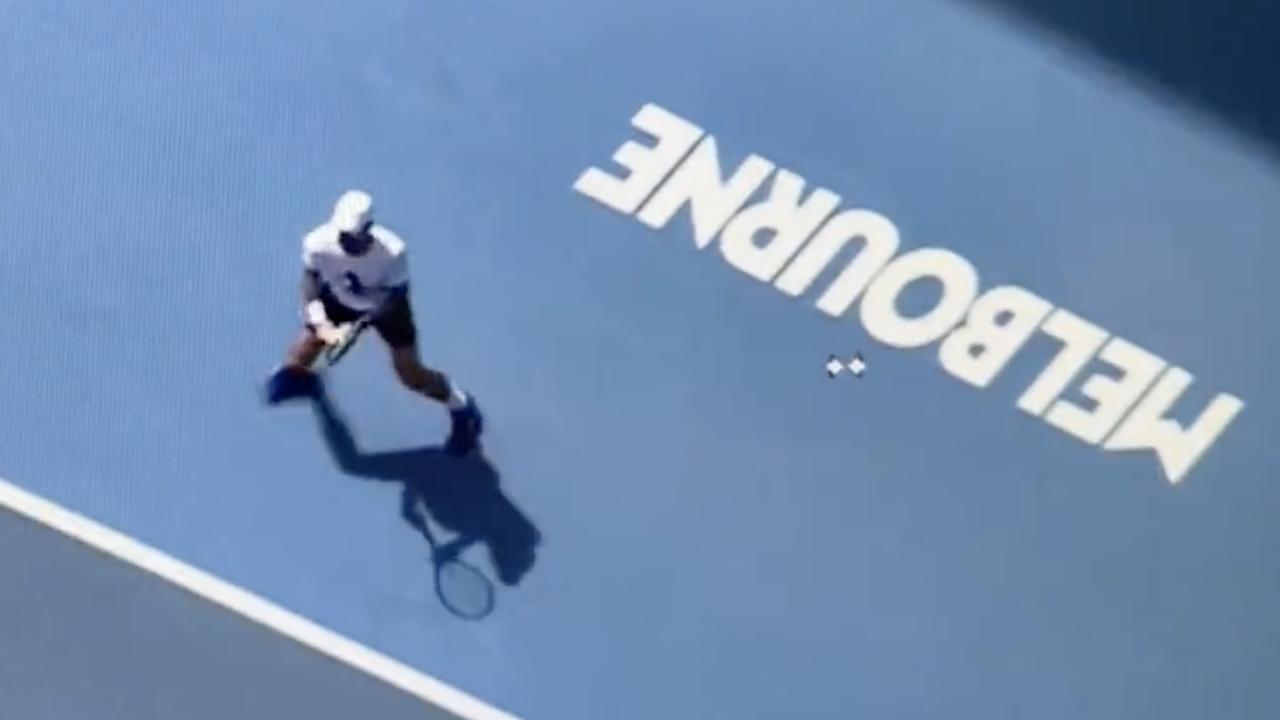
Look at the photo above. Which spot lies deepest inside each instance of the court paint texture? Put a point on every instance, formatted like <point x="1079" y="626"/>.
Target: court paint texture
<point x="726" y="532"/>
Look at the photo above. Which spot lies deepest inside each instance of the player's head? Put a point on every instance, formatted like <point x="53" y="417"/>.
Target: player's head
<point x="352" y="218"/>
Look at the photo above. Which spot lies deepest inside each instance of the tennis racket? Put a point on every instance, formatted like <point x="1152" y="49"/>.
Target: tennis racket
<point x="333" y="353"/>
<point x="463" y="588"/>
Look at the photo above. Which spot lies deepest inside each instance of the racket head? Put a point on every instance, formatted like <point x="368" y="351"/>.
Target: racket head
<point x="464" y="589"/>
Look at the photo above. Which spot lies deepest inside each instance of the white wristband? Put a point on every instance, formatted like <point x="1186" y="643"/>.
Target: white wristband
<point x="316" y="315"/>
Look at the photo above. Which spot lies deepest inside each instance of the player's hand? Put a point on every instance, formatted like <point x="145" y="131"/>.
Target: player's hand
<point x="326" y="331"/>
<point x="331" y="334"/>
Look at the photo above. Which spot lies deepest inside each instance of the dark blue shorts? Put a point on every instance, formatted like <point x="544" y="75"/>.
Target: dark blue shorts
<point x="396" y="326"/>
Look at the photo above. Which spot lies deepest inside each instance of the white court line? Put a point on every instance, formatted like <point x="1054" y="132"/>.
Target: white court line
<point x="245" y="603"/>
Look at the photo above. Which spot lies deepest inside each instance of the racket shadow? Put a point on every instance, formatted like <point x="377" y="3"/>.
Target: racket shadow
<point x="463" y="496"/>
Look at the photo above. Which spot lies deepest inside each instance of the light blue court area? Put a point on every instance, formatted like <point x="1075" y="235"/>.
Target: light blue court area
<point x="716" y="528"/>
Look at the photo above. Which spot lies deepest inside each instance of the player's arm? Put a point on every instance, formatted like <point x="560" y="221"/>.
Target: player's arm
<point x="312" y="306"/>
<point x="310" y="286"/>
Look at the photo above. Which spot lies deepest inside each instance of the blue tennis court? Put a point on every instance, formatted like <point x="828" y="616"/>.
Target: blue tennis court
<point x="704" y="524"/>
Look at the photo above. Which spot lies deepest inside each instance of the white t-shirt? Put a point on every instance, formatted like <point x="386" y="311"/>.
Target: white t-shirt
<point x="359" y="282"/>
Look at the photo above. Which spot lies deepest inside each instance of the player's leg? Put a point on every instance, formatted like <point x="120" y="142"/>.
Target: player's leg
<point x="398" y="329"/>
<point x="418" y="377"/>
<point x="467" y="422"/>
<point x="293" y="378"/>
<point x="305" y="350"/>
<point x="400" y="332"/>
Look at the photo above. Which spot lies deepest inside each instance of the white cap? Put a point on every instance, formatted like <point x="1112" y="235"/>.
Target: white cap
<point x="353" y="211"/>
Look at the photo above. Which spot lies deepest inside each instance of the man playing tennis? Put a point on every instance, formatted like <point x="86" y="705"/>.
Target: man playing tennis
<point x="355" y="268"/>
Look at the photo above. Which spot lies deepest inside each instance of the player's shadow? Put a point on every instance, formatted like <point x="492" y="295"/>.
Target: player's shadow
<point x="462" y="495"/>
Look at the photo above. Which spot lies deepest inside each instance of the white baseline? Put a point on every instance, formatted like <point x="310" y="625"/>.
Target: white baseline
<point x="246" y="604"/>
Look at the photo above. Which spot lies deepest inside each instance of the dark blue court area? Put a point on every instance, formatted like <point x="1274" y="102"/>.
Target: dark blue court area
<point x="680" y="515"/>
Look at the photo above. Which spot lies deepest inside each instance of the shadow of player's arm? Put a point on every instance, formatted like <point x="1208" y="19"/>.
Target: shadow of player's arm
<point x="411" y="502"/>
<point x="348" y="456"/>
<point x="411" y="510"/>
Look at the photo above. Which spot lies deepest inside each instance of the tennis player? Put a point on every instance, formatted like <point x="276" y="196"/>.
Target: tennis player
<point x="354" y="267"/>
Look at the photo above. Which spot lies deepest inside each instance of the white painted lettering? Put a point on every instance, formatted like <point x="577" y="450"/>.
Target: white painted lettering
<point x="880" y="306"/>
<point x="1113" y="398"/>
<point x="978" y="350"/>
<point x="712" y="201"/>
<point x="790" y="220"/>
<point x="1081" y="341"/>
<point x="880" y="242"/>
<point x="648" y="165"/>
<point x="790" y="240"/>
<point x="1177" y="448"/>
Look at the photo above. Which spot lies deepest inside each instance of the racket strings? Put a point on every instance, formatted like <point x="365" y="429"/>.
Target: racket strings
<point x="464" y="589"/>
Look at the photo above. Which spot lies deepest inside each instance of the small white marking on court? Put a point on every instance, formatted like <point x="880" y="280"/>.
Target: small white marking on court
<point x="246" y="604"/>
